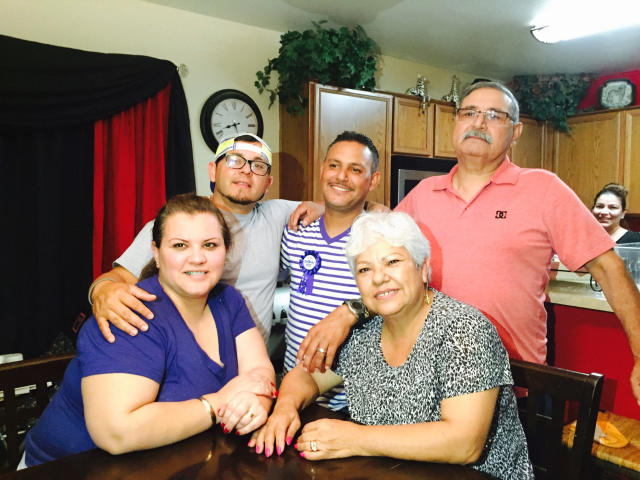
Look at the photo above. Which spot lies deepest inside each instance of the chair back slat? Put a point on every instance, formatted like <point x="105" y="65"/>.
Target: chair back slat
<point x="36" y="372"/>
<point x="550" y="391"/>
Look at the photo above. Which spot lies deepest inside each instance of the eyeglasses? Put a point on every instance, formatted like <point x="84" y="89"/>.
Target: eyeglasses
<point x="491" y="115"/>
<point x="236" y="161"/>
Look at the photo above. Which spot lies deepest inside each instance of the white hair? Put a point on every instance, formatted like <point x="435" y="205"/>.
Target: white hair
<point x="397" y="228"/>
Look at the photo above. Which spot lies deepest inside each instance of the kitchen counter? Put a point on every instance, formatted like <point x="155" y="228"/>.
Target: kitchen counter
<point x="576" y="294"/>
<point x="588" y="337"/>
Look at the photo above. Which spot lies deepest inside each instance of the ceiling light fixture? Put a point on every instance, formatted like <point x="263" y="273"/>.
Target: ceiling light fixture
<point x="569" y="19"/>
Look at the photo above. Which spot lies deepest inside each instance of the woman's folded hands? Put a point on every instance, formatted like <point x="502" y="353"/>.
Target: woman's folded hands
<point x="243" y="404"/>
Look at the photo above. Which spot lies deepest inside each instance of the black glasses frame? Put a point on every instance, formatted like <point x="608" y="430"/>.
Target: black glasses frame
<point x="252" y="164"/>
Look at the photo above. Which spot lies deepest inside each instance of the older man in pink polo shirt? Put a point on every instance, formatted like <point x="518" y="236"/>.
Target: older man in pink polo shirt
<point x="495" y="226"/>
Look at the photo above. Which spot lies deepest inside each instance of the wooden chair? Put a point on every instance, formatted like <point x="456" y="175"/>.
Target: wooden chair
<point x="558" y="389"/>
<point x="36" y="372"/>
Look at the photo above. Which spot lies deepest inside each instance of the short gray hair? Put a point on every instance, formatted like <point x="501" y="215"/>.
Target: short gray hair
<point x="515" y="107"/>
<point x="397" y="228"/>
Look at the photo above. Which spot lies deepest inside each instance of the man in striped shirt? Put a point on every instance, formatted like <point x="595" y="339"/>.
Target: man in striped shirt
<point x="320" y="277"/>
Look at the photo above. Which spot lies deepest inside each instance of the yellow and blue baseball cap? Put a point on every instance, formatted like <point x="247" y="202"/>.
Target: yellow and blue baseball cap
<point x="231" y="143"/>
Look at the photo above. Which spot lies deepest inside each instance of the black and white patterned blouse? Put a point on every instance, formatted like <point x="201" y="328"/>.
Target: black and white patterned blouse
<point x="457" y="352"/>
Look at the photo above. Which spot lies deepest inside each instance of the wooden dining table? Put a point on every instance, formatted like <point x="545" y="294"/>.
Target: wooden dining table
<point x="212" y="454"/>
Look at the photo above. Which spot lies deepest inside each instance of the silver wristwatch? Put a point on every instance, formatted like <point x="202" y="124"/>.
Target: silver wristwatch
<point x="358" y="308"/>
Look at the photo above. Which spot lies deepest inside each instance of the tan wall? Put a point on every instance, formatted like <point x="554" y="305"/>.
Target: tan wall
<point x="398" y="75"/>
<point x="209" y="47"/>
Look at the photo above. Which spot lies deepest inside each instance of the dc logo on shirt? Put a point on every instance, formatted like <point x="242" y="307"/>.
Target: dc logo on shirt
<point x="501" y="214"/>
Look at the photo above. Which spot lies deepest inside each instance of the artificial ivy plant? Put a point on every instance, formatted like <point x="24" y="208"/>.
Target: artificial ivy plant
<point x="551" y="97"/>
<point x="346" y="57"/>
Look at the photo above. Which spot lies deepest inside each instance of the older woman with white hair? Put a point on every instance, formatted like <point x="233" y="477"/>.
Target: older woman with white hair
<point x="427" y="379"/>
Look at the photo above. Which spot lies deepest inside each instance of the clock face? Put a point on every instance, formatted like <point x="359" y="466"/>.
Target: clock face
<point x="226" y="113"/>
<point x="233" y="116"/>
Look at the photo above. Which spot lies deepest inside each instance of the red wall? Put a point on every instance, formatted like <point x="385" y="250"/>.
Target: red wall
<point x="593" y="341"/>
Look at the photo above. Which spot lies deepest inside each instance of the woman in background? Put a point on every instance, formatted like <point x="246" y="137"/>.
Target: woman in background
<point x="428" y="379"/>
<point x="201" y="362"/>
<point x="609" y="208"/>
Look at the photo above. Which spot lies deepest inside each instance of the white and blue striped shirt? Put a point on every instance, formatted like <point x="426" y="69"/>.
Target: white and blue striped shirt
<point x="326" y="288"/>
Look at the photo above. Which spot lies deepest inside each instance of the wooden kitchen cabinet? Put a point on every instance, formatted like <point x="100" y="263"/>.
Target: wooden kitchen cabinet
<point x="530" y="149"/>
<point x="444" y="119"/>
<point x="632" y="158"/>
<point x="430" y="134"/>
<point x="412" y="127"/>
<point x="304" y="139"/>
<point x="590" y="155"/>
<point x="425" y="134"/>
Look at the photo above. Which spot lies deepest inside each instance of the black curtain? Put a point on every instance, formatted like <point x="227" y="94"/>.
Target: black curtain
<point x="49" y="99"/>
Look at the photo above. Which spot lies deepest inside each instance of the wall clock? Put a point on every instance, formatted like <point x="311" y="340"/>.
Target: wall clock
<point x="617" y="93"/>
<point x="226" y="113"/>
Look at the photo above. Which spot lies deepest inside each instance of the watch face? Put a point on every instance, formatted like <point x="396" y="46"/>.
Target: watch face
<point x="357" y="306"/>
<point x="227" y="113"/>
<point x="617" y="94"/>
<point x="233" y="116"/>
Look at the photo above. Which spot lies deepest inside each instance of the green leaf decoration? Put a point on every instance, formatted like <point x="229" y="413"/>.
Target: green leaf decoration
<point x="346" y="57"/>
<point x="551" y="97"/>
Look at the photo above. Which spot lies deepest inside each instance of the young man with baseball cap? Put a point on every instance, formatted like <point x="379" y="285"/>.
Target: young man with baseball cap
<point x="240" y="177"/>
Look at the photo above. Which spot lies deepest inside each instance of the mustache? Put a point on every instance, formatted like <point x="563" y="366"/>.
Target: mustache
<point x="482" y="135"/>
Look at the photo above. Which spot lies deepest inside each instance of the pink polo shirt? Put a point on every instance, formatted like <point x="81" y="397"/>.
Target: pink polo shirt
<point x="494" y="252"/>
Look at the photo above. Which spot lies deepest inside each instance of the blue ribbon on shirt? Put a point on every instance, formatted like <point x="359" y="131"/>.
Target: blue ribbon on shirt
<point x="309" y="263"/>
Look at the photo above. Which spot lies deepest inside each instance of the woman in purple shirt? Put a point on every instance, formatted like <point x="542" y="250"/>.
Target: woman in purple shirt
<point x="201" y="362"/>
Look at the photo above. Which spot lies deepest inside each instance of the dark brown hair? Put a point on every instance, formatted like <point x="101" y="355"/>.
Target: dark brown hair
<point x="188" y="203"/>
<point x="616" y="189"/>
<point x="350" y="136"/>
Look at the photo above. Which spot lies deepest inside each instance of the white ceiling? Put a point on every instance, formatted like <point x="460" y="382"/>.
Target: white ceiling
<point x="484" y="37"/>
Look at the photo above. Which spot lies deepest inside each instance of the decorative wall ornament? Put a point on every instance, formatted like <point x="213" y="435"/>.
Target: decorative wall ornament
<point x="453" y="95"/>
<point x="421" y="90"/>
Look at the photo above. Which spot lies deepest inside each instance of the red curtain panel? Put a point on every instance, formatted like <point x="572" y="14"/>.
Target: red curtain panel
<point x="129" y="176"/>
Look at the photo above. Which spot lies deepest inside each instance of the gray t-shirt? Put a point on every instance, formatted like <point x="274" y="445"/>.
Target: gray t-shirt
<point x="253" y="262"/>
<point x="457" y="352"/>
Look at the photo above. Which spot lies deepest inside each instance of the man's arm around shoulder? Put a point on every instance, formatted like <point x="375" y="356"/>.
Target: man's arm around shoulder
<point x="115" y="298"/>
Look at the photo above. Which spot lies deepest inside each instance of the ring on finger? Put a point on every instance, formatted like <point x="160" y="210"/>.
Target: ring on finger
<point x="314" y="446"/>
<point x="322" y="350"/>
<point x="251" y="414"/>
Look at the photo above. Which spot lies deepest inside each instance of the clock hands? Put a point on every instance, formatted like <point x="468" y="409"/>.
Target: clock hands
<point x="234" y="125"/>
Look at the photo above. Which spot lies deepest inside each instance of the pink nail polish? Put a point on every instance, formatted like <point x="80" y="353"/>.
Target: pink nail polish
<point x="226" y="430"/>
<point x="296" y="446"/>
<point x="222" y="425"/>
<point x="288" y="440"/>
<point x="302" y="454"/>
<point x="279" y="450"/>
<point x="267" y="452"/>
<point x="249" y="443"/>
